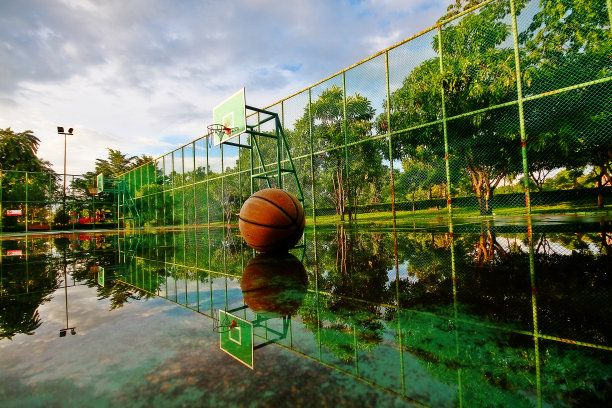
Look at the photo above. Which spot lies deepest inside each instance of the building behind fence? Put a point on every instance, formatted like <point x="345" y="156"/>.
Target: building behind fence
<point x="501" y="110"/>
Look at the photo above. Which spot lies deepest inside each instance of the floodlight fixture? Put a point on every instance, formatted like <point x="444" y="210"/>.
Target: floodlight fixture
<point x="61" y="131"/>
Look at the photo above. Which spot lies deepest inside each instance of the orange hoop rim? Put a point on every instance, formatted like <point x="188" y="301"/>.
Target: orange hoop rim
<point x="217" y="128"/>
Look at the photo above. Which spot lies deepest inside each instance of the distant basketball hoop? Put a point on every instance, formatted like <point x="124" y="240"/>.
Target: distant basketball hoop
<point x="93" y="190"/>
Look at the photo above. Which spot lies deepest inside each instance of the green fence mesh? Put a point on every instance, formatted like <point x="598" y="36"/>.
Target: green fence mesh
<point x="33" y="201"/>
<point x="501" y="110"/>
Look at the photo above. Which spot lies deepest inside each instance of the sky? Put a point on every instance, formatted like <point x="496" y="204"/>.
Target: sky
<point x="142" y="76"/>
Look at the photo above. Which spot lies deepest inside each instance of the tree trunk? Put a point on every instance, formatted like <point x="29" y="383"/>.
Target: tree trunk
<point x="603" y="162"/>
<point x="339" y="192"/>
<point x="602" y="180"/>
<point x="342" y="250"/>
<point x="599" y="193"/>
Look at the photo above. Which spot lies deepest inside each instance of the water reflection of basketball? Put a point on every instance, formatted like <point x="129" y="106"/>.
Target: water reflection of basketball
<point x="271" y="220"/>
<point x="274" y="285"/>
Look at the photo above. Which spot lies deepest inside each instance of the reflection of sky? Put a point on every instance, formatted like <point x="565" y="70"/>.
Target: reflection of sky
<point x="45" y="357"/>
<point x="402" y="272"/>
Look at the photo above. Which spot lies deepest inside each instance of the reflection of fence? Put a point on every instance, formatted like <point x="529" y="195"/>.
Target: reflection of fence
<point x="464" y="307"/>
<point x="33" y="201"/>
<point x="501" y="109"/>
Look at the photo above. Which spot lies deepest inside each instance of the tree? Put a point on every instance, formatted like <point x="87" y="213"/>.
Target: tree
<point x="25" y="176"/>
<point x="118" y="163"/>
<point x="566" y="44"/>
<point x="477" y="74"/>
<point x="336" y="122"/>
<point x="18" y="151"/>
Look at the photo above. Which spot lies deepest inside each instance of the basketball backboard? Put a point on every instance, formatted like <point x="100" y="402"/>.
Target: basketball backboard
<point x="101" y="276"/>
<point x="100" y="182"/>
<point x="238" y="340"/>
<point x="231" y="113"/>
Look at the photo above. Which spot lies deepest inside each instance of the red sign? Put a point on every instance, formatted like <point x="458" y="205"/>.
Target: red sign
<point x="14" y="252"/>
<point x="13" y="212"/>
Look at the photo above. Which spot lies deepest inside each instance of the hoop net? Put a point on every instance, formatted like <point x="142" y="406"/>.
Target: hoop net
<point x="93" y="190"/>
<point x="216" y="129"/>
<point x="223" y="326"/>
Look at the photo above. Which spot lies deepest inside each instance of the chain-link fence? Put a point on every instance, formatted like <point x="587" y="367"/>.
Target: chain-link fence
<point x="37" y="201"/>
<point x="500" y="110"/>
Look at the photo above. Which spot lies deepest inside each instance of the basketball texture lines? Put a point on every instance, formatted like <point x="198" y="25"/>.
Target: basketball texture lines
<point x="271" y="220"/>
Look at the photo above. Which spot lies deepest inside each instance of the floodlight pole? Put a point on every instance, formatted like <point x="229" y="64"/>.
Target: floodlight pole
<point x="60" y="130"/>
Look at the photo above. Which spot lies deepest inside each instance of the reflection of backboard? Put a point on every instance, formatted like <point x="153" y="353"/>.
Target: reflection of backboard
<point x="230" y="113"/>
<point x="100" y="182"/>
<point x="238" y="340"/>
<point x="101" y="276"/>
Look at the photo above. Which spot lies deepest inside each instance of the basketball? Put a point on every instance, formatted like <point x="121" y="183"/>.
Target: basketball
<point x="274" y="284"/>
<point x="271" y="220"/>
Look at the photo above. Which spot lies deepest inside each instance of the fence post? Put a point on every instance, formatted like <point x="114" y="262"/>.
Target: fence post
<point x="1" y="202"/>
<point x="26" y="201"/>
<point x="346" y="155"/>
<point x="93" y="209"/>
<point x="311" y="154"/>
<point x="222" y="189"/>
<point x="449" y="205"/>
<point x="183" y="183"/>
<point x="388" y="107"/>
<point x="208" y="186"/>
<point x="519" y="90"/>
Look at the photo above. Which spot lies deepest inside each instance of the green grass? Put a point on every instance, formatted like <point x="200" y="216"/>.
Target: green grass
<point x="437" y="216"/>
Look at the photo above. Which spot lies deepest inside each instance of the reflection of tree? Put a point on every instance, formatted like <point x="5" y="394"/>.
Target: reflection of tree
<point x="19" y="315"/>
<point x="24" y="288"/>
<point x="353" y="266"/>
<point x="428" y="265"/>
<point x="84" y="258"/>
<point x="487" y="249"/>
<point x="342" y="330"/>
<point x="496" y="367"/>
<point x="493" y="279"/>
<point x="572" y="295"/>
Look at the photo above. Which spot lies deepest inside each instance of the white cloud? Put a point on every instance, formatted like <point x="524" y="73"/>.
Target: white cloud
<point x="136" y="75"/>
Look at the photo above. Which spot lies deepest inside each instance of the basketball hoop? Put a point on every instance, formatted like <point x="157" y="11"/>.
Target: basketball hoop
<point x="93" y="190"/>
<point x="223" y="326"/>
<point x="217" y="129"/>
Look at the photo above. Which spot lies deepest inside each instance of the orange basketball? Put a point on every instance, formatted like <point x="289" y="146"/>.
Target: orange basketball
<point x="274" y="284"/>
<point x="271" y="220"/>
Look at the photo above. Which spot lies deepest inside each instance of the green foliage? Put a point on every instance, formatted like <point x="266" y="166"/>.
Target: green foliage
<point x="336" y="121"/>
<point x="118" y="163"/>
<point x="18" y="151"/>
<point x="61" y="217"/>
<point x="568" y="43"/>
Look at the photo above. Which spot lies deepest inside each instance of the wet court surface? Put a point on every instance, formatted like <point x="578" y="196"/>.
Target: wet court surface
<point x="493" y="314"/>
